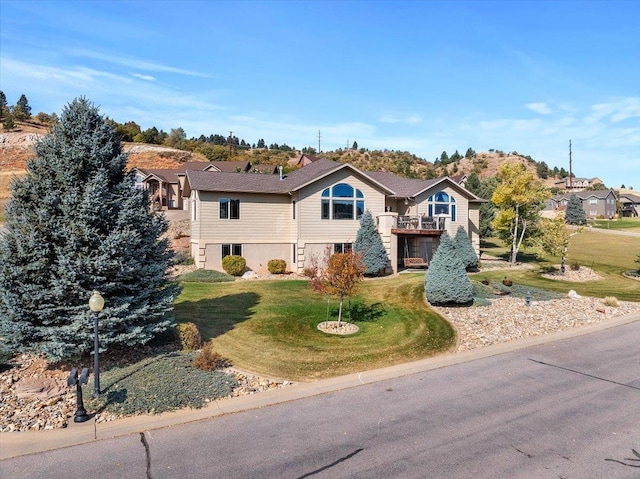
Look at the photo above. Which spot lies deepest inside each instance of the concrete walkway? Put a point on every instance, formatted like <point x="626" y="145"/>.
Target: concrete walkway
<point x="23" y="443"/>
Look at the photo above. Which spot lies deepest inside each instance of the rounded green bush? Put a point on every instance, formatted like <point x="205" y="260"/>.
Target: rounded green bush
<point x="189" y="336"/>
<point x="234" y="265"/>
<point x="277" y="266"/>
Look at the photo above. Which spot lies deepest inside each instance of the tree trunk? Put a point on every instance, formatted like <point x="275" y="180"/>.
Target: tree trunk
<point x="514" y="247"/>
<point x="340" y="312"/>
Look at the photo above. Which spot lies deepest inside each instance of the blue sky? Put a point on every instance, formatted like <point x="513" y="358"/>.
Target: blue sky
<point x="413" y="76"/>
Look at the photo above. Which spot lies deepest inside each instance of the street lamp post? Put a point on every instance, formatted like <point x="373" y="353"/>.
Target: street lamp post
<point x="96" y="303"/>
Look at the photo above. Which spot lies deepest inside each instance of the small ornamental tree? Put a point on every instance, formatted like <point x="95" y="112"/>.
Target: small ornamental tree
<point x="575" y="214"/>
<point x="339" y="277"/>
<point x="75" y="224"/>
<point x="446" y="281"/>
<point x="464" y="249"/>
<point x="369" y="246"/>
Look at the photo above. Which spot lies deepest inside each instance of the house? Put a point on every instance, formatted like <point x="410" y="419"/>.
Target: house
<point x="630" y="204"/>
<point x="596" y="203"/>
<point x="165" y="185"/>
<point x="578" y="184"/>
<point x="296" y="217"/>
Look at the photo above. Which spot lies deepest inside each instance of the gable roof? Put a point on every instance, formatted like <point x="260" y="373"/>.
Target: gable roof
<point x="393" y="185"/>
<point x="586" y="194"/>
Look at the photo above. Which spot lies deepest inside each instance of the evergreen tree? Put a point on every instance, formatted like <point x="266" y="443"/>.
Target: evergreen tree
<point x="3" y="103"/>
<point x="369" y="245"/>
<point x="446" y="280"/>
<point x="464" y="249"/>
<point x="75" y="224"/>
<point x="8" y="123"/>
<point x="22" y="110"/>
<point x="575" y="214"/>
<point x="483" y="189"/>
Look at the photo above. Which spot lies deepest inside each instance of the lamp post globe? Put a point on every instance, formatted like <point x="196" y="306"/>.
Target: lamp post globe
<point x="96" y="303"/>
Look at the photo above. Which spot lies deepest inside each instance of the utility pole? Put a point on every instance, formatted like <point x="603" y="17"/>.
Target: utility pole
<point x="230" y="141"/>
<point x="570" y="170"/>
<point x="319" y="150"/>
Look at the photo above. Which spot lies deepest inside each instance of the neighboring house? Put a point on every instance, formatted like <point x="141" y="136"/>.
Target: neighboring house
<point x="303" y="160"/>
<point x="578" y="184"/>
<point x="595" y="203"/>
<point x="460" y="179"/>
<point x="630" y="204"/>
<point x="298" y="216"/>
<point x="165" y="185"/>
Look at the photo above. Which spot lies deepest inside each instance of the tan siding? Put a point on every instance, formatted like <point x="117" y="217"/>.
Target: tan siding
<point x="314" y="229"/>
<point x="263" y="219"/>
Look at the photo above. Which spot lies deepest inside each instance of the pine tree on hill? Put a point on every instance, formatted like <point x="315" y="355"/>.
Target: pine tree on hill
<point x="75" y="223"/>
<point x="464" y="249"/>
<point x="575" y="214"/>
<point x="369" y="245"/>
<point x="446" y="280"/>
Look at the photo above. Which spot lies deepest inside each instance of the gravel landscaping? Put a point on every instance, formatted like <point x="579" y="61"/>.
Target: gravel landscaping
<point x="33" y="397"/>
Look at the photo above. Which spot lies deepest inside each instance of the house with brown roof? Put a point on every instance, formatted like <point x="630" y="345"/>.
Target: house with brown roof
<point x="165" y="185"/>
<point x="296" y="217"/>
<point x="595" y="203"/>
<point x="630" y="205"/>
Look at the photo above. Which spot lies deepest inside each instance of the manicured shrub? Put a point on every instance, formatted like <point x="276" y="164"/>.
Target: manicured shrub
<point x="464" y="249"/>
<point x="277" y="266"/>
<point x="446" y="280"/>
<point x="369" y="246"/>
<point x="234" y="265"/>
<point x="182" y="258"/>
<point x="209" y="360"/>
<point x="574" y="266"/>
<point x="206" y="276"/>
<point x="611" y="301"/>
<point x="189" y="336"/>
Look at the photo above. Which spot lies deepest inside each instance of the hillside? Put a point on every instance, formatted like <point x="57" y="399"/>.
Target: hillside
<point x="16" y="148"/>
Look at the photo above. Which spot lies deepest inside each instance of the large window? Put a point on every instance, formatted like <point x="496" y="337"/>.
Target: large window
<point x="231" y="249"/>
<point x="342" y="202"/>
<point x="229" y="209"/>
<point x="441" y="204"/>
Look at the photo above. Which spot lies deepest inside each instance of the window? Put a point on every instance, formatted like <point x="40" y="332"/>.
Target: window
<point x="194" y="210"/>
<point x="229" y="209"/>
<point x="231" y="249"/>
<point x="342" y="247"/>
<point x="441" y="204"/>
<point x="342" y="202"/>
<point x="294" y="210"/>
<point x="593" y="201"/>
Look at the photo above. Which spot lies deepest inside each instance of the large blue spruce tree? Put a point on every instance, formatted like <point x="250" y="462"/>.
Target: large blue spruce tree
<point x="575" y="214"/>
<point x="446" y="280"/>
<point x="75" y="223"/>
<point x="370" y="246"/>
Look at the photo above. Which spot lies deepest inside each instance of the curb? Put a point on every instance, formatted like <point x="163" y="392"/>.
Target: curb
<point x="16" y="444"/>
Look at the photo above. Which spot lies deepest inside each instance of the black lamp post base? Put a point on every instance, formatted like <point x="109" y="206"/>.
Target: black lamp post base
<point x="81" y="416"/>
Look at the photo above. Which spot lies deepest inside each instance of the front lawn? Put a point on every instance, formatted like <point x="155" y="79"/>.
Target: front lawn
<point x="609" y="255"/>
<point x="269" y="327"/>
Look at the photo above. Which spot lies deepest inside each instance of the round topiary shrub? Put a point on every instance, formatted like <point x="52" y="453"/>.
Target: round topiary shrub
<point x="234" y="265"/>
<point x="189" y="336"/>
<point x="277" y="266"/>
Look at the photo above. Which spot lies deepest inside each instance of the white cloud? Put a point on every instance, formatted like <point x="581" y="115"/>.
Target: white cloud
<point x="143" y="77"/>
<point x="541" y="108"/>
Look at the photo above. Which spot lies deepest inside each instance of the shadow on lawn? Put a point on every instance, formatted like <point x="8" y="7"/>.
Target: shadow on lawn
<point x="216" y="316"/>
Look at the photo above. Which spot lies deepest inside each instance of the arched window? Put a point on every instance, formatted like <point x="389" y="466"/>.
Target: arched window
<point x="342" y="202"/>
<point x="441" y="204"/>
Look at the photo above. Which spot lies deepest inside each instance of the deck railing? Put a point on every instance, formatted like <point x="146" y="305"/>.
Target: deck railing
<point x="420" y="223"/>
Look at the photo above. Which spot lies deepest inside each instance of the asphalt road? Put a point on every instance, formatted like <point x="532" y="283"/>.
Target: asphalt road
<point x="566" y="409"/>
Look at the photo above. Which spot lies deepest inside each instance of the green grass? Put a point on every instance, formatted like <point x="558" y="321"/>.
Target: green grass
<point x="617" y="224"/>
<point x="609" y="255"/>
<point x="270" y="327"/>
